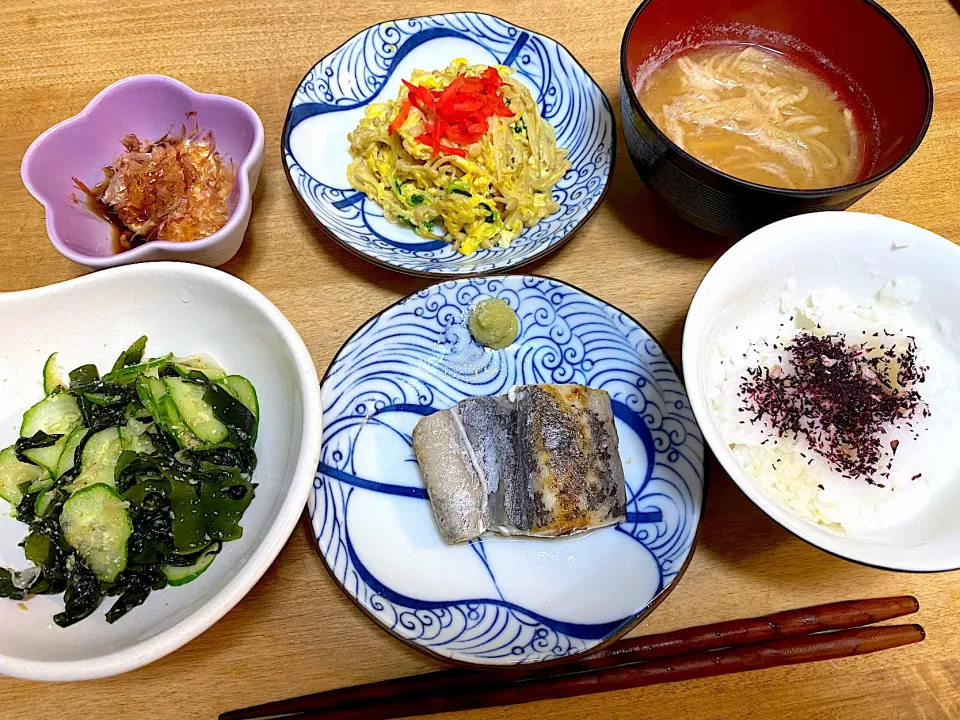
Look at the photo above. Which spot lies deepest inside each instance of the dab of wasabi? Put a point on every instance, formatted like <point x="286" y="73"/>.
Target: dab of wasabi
<point x="494" y="324"/>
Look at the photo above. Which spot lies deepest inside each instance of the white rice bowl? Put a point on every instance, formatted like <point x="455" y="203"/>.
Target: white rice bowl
<point x="854" y="274"/>
<point x="791" y="471"/>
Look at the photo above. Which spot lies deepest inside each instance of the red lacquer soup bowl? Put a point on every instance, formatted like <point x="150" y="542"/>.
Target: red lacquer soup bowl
<point x="856" y="45"/>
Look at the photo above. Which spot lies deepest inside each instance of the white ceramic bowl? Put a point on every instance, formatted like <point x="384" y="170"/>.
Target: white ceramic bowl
<point x="182" y="308"/>
<point x="858" y="253"/>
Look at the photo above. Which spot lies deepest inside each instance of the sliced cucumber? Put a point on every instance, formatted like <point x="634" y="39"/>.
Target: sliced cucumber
<point x="44" y="502"/>
<point x="56" y="414"/>
<point x="170" y="420"/>
<point x="98" y="460"/>
<point x="196" y="413"/>
<point x="153" y="394"/>
<point x="47" y="457"/>
<point x="242" y="389"/>
<point x="157" y="388"/>
<point x="130" y="373"/>
<point x="145" y="394"/>
<point x="41" y="483"/>
<point x="15" y="474"/>
<point x="52" y="378"/>
<point x="181" y="575"/>
<point x="69" y="455"/>
<point x="96" y="523"/>
<point x="204" y="363"/>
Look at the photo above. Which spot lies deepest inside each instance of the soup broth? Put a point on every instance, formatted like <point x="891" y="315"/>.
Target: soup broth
<point x="753" y="113"/>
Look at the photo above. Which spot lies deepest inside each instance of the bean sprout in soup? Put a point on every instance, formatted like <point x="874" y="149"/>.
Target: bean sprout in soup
<point x="755" y="114"/>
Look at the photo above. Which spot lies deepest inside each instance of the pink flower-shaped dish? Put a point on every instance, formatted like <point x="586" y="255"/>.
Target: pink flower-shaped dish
<point x="148" y="106"/>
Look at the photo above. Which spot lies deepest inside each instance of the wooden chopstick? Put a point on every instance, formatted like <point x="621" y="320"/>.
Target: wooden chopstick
<point x="735" y="633"/>
<point x="792" y="651"/>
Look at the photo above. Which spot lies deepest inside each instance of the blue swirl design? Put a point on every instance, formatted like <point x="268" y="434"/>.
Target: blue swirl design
<point x="417" y="357"/>
<point x="355" y="73"/>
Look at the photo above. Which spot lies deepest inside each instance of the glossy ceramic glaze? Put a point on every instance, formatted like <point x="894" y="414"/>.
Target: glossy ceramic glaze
<point x="858" y="253"/>
<point x="331" y="100"/>
<point x="855" y="43"/>
<point x="183" y="309"/>
<point x="498" y="600"/>
<point x="148" y="106"/>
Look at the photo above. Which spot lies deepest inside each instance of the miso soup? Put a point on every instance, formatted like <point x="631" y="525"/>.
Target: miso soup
<point x="755" y="114"/>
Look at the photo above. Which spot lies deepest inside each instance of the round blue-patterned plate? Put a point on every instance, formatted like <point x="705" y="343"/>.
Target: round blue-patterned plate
<point x="332" y="98"/>
<point x="501" y="600"/>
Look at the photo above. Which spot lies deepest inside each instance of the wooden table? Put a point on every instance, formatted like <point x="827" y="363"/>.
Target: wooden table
<point x="295" y="632"/>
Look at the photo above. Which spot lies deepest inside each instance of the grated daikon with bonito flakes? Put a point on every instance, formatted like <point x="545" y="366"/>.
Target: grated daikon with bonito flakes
<point x="841" y="409"/>
<point x="176" y="188"/>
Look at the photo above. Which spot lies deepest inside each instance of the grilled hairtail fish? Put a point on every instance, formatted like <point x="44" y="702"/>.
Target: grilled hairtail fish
<point x="465" y="453"/>
<point x="544" y="461"/>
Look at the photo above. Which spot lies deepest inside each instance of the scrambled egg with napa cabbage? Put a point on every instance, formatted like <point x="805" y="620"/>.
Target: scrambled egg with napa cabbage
<point x="482" y="200"/>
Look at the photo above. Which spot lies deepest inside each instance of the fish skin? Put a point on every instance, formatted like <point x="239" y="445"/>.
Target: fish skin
<point x="489" y="424"/>
<point x="453" y="484"/>
<point x="543" y="461"/>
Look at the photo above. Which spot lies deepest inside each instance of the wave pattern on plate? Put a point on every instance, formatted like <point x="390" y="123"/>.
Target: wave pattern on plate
<point x="354" y="74"/>
<point x="417" y="357"/>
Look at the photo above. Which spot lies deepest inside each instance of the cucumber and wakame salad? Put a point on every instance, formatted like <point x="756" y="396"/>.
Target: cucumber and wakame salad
<point x="130" y="481"/>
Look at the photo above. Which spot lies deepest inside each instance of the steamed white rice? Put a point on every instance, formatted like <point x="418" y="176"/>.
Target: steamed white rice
<point x="807" y="484"/>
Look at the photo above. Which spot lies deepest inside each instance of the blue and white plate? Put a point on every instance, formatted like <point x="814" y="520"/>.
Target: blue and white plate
<point x="332" y="98"/>
<point x="499" y="600"/>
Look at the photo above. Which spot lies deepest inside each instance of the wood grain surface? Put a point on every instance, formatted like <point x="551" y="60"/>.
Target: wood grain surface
<point x="295" y="632"/>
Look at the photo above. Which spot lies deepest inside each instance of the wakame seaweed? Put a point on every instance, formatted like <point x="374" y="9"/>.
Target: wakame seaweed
<point x="183" y="496"/>
<point x="39" y="440"/>
<point x="133" y="355"/>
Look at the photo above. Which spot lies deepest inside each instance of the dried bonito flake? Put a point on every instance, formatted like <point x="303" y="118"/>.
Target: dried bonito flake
<point x="176" y="188"/>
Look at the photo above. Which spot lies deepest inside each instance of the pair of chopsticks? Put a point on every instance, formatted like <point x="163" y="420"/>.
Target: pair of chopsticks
<point x="822" y="632"/>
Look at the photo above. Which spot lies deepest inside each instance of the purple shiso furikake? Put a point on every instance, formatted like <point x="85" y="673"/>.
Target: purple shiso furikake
<point x="842" y="397"/>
